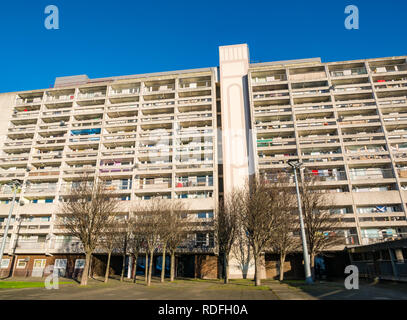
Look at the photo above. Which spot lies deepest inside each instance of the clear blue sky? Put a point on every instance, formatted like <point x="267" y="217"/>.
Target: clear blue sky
<point x="108" y="38"/>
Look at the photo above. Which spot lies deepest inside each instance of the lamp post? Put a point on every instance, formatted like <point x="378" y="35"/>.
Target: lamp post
<point x="15" y="183"/>
<point x="295" y="164"/>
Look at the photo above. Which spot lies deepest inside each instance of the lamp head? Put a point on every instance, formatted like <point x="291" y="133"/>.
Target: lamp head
<point x="296" y="164"/>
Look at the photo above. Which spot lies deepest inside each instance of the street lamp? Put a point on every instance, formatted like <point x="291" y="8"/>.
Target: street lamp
<point x="295" y="164"/>
<point x="15" y="183"/>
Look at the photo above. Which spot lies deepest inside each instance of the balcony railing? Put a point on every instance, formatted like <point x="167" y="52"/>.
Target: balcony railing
<point x="348" y="72"/>
<point x="30" y="245"/>
<point x="369" y="239"/>
<point x="162" y="185"/>
<point x="270" y="78"/>
<point x="117" y="92"/>
<point x="29" y="100"/>
<point x="166" y="87"/>
<point x="89" y="95"/>
<point x="28" y="114"/>
<point x="366" y="175"/>
<point x="67" y="97"/>
<point x="195" y="85"/>
<point x="389" y="68"/>
<point x="41" y="189"/>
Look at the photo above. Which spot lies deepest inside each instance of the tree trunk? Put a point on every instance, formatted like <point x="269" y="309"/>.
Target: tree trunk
<point x="163" y="266"/>
<point x="150" y="268"/>
<point x="135" y="268"/>
<point x="172" y="271"/>
<point x="108" y="266"/>
<point x="90" y="266"/>
<point x="84" y="278"/>
<point x="123" y="267"/>
<point x="226" y="267"/>
<point x="257" y="270"/>
<point x="312" y="265"/>
<point x="124" y="260"/>
<point x="146" y="268"/>
<point x="282" y="261"/>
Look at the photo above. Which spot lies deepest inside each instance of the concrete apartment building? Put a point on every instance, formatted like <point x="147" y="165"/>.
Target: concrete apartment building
<point x="196" y="134"/>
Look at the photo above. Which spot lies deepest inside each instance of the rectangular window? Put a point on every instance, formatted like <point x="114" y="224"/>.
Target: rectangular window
<point x="49" y="200"/>
<point x="21" y="263"/>
<point x="5" y="263"/>
<point x="39" y="263"/>
<point x="201" y="215"/>
<point x="79" y="263"/>
<point x="60" y="263"/>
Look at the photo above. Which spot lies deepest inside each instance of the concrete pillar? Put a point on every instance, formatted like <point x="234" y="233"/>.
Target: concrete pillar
<point x="393" y="264"/>
<point x="399" y="255"/>
<point x="130" y="268"/>
<point x="236" y="124"/>
<point x="237" y="139"/>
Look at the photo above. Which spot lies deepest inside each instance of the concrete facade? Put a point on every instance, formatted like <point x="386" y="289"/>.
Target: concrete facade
<point x="196" y="134"/>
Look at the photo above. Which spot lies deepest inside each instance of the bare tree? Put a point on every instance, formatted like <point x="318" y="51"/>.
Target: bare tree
<point x="136" y="243"/>
<point x="283" y="240"/>
<point x="320" y="224"/>
<point x="123" y="236"/>
<point x="178" y="225"/>
<point x="89" y="208"/>
<point x="258" y="217"/>
<point x="149" y="215"/>
<point x="227" y="227"/>
<point x="242" y="252"/>
<point x="109" y="242"/>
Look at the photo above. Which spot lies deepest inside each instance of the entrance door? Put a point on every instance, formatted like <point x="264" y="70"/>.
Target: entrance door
<point x="38" y="267"/>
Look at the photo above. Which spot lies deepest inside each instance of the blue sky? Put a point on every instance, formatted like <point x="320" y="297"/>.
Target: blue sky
<point x="108" y="38"/>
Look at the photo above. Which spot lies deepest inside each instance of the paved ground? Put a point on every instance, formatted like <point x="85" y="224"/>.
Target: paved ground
<point x="114" y="290"/>
<point x="368" y="290"/>
<point x="210" y="290"/>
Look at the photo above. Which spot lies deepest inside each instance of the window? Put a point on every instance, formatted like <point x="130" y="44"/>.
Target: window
<point x="39" y="263"/>
<point x="201" y="215"/>
<point x="79" y="263"/>
<point x="60" y="264"/>
<point x="22" y="263"/>
<point x="49" y="200"/>
<point x="5" y="263"/>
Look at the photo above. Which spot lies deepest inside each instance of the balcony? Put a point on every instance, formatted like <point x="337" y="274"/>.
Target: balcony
<point x="29" y="100"/>
<point x="51" y="155"/>
<point x="316" y="124"/>
<point x="187" y="84"/>
<point x="25" y="115"/>
<point x="370" y="174"/>
<point x="92" y="95"/>
<point x="356" y="105"/>
<point x="389" y="68"/>
<point x="59" y="98"/>
<point x="270" y="78"/>
<point x="160" y="183"/>
<point x="41" y="188"/>
<point x="194" y="101"/>
<point x="349" y="72"/>
<point x="270" y="95"/>
<point x="30" y="245"/>
<point x="325" y="175"/>
<point x="121" y="91"/>
<point x="158" y="88"/>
